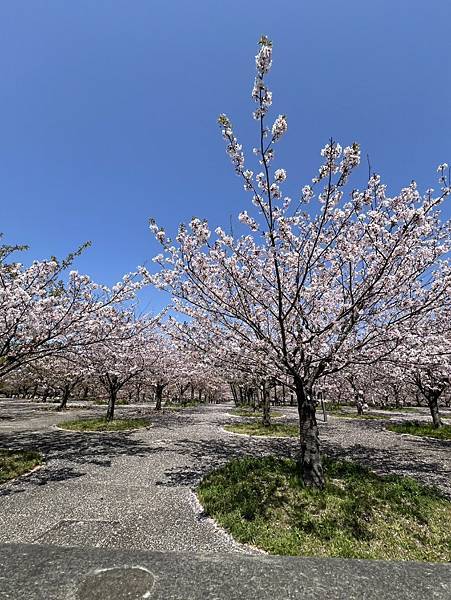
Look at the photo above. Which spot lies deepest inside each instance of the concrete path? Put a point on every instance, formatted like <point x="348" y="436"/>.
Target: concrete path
<point x="116" y="490"/>
<point x="56" y="573"/>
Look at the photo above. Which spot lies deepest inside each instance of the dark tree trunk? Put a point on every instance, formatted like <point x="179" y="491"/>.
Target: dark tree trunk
<point x="266" y="419"/>
<point x="234" y="394"/>
<point x="253" y="399"/>
<point x="433" y="407"/>
<point x="183" y="389"/>
<point x="111" y="403"/>
<point x="309" y="461"/>
<point x="158" y="396"/>
<point x="65" y="398"/>
<point x="138" y="392"/>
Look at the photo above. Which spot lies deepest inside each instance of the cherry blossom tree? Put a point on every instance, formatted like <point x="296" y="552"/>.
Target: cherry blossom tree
<point x="122" y="352"/>
<point x="60" y="373"/>
<point x="425" y="358"/>
<point x="41" y="315"/>
<point x="216" y="351"/>
<point x="316" y="284"/>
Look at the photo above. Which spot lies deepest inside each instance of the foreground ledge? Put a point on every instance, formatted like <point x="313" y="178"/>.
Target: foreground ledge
<point x="60" y="573"/>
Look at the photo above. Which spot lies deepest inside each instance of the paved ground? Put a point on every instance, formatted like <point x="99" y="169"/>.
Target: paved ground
<point x="134" y="490"/>
<point x="56" y="573"/>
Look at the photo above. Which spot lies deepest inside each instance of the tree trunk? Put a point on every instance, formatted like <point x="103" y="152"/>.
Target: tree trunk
<point x="158" y="396"/>
<point x="111" y="403"/>
<point x="266" y="419"/>
<point x="309" y="462"/>
<point x="234" y="394"/>
<point x="64" y="399"/>
<point x="253" y="398"/>
<point x="433" y="407"/>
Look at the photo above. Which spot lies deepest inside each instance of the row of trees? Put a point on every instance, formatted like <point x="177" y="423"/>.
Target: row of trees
<point x="60" y="380"/>
<point x="69" y="336"/>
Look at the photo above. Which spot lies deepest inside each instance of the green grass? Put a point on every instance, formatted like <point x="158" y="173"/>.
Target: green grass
<point x="406" y="409"/>
<point x="334" y="408"/>
<point x="364" y="417"/>
<point x="262" y="502"/>
<point x="181" y="405"/>
<point x="274" y="430"/>
<point x="17" y="462"/>
<point x="422" y="429"/>
<point x="337" y="410"/>
<point x="246" y="412"/>
<point x="120" y="402"/>
<point x="104" y="425"/>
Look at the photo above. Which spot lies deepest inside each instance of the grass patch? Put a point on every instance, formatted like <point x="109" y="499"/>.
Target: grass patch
<point x="363" y="417"/>
<point x="406" y="409"/>
<point x="104" y="425"/>
<point x="334" y="408"/>
<point x="262" y="502"/>
<point x="274" y="430"/>
<point x="17" y="462"/>
<point x="422" y="429"/>
<point x="245" y="412"/>
<point x="182" y="405"/>
<point x="120" y="402"/>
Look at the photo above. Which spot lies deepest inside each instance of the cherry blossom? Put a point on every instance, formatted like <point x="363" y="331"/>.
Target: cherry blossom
<point x="305" y="295"/>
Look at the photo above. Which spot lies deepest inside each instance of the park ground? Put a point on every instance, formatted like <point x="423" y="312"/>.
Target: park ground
<point x="134" y="490"/>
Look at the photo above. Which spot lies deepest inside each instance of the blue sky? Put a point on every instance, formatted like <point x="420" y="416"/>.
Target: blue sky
<point x="108" y="109"/>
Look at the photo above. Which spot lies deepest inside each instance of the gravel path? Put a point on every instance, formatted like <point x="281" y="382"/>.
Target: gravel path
<point x="134" y="490"/>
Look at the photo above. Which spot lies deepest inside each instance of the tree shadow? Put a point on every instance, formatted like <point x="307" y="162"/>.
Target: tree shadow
<point x="208" y="455"/>
<point x="65" y="453"/>
<point x="401" y="460"/>
<point x="39" y="478"/>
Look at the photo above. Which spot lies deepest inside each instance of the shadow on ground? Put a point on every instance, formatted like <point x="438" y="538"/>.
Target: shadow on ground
<point x="68" y="452"/>
<point x="208" y="455"/>
<point x="401" y="462"/>
<point x="65" y="453"/>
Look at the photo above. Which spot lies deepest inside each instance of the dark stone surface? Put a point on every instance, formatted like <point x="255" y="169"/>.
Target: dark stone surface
<point x="36" y="572"/>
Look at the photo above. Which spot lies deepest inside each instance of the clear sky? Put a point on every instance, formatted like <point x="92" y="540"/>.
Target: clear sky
<point x="108" y="109"/>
